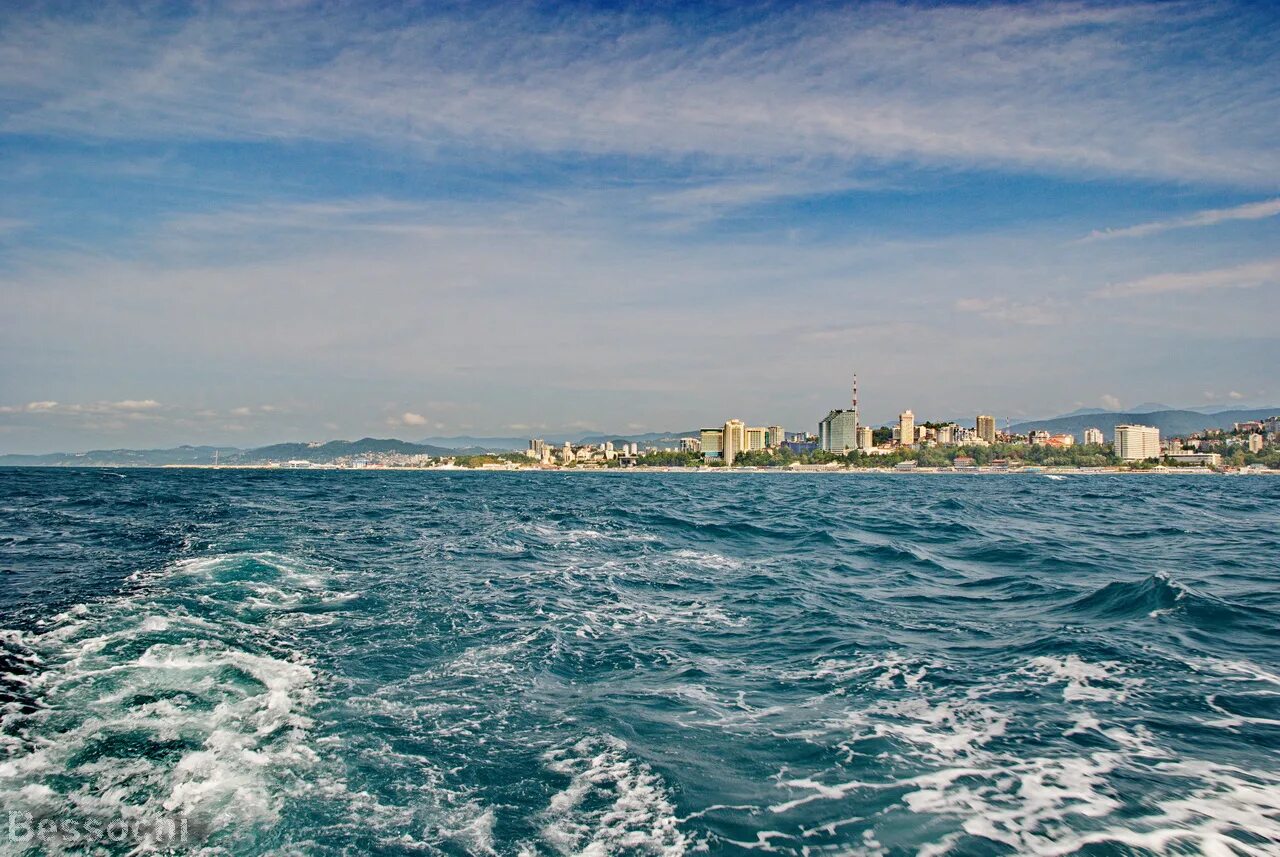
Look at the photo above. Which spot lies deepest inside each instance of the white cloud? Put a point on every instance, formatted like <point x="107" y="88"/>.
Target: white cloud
<point x="1247" y="276"/>
<point x="1210" y="217"/>
<point x="1037" y="313"/>
<point x="408" y="418"/>
<point x="127" y="406"/>
<point x="241" y="411"/>
<point x="1235" y="394"/>
<point x="1110" y="402"/>
<point x="1029" y="85"/>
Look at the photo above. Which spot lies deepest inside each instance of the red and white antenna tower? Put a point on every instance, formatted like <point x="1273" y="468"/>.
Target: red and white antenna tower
<point x="854" y="397"/>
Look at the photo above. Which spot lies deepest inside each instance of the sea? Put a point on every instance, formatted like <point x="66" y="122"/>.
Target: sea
<point x="473" y="663"/>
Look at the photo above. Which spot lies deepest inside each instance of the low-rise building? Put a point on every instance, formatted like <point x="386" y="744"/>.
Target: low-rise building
<point x="1204" y="459"/>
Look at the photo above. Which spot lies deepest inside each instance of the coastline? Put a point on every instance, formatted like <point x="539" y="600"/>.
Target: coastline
<point x="808" y="469"/>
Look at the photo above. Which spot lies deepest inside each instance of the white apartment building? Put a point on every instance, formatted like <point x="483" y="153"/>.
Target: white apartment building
<point x="906" y="428"/>
<point x="1094" y="436"/>
<point x="1137" y="443"/>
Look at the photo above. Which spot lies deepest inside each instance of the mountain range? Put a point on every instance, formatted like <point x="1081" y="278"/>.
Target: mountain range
<point x="1171" y="422"/>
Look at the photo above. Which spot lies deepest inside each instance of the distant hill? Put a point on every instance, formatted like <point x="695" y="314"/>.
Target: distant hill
<point x="318" y="453"/>
<point x="1171" y="423"/>
<point x="653" y="437"/>
<point x="515" y="444"/>
<point x="124" y="457"/>
<point x="338" y="448"/>
<point x="490" y="444"/>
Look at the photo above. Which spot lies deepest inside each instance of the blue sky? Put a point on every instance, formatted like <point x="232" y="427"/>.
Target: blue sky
<point x="249" y="222"/>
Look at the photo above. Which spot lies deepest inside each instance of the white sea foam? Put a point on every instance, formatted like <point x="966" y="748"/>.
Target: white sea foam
<point x="942" y="730"/>
<point x="1101" y="681"/>
<point x="147" y="711"/>
<point x="1047" y="804"/>
<point x="705" y="559"/>
<point x="886" y="671"/>
<point x="613" y="804"/>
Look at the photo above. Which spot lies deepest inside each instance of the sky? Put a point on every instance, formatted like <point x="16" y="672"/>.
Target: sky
<point x="243" y="223"/>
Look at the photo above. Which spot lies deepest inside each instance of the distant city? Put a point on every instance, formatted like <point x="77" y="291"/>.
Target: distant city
<point x="1229" y="441"/>
<point x="912" y="444"/>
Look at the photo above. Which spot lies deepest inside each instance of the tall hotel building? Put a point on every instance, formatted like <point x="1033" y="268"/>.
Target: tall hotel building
<point x="838" y="431"/>
<point x="906" y="428"/>
<point x="736" y="437"/>
<point x="1137" y="443"/>
<point x="986" y="427"/>
<point x="733" y="440"/>
<point x="711" y="442"/>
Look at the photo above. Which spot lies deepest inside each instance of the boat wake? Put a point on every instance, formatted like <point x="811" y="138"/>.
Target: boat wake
<point x="168" y="702"/>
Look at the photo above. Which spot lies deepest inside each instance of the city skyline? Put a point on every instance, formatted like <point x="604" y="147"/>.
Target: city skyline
<point x="246" y="225"/>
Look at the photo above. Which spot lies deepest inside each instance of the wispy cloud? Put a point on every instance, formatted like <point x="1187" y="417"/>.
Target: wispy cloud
<point x="1209" y="217"/>
<point x="1035" y="313"/>
<point x="1251" y="275"/>
<point x="1029" y="85"/>
<point x="128" y="406"/>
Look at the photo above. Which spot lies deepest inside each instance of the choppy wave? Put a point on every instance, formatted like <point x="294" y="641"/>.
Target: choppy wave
<point x="164" y="702"/>
<point x="313" y="663"/>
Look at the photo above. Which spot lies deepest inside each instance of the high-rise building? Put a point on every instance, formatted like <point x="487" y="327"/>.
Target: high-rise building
<point x="774" y="437"/>
<point x="755" y="438"/>
<point x="1137" y="443"/>
<point x="536" y="448"/>
<point x="1094" y="436"/>
<point x="838" y="430"/>
<point x="733" y="440"/>
<point x="906" y="428"/>
<point x="712" y="442"/>
<point x="986" y="427"/>
<point x="865" y="438"/>
<point x="946" y="434"/>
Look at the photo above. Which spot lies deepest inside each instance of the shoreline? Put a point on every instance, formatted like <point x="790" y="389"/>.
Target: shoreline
<point x="1034" y="470"/>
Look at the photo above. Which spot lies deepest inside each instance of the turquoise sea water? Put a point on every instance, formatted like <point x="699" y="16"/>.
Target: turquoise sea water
<point x="525" y="664"/>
